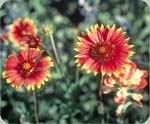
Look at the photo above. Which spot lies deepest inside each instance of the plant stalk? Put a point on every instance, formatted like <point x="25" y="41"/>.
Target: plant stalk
<point x="101" y="98"/>
<point x="56" y="65"/>
<point x="54" y="48"/>
<point x="35" y="108"/>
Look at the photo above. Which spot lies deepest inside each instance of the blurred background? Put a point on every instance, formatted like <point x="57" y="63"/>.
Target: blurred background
<point x="71" y="95"/>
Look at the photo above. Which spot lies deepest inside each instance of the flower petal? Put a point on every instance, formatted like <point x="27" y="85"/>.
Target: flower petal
<point x="23" y="55"/>
<point x="44" y="63"/>
<point x="11" y="62"/>
<point x="34" y="53"/>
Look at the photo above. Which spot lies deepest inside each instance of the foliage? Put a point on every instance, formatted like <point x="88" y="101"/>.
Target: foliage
<point x="70" y="95"/>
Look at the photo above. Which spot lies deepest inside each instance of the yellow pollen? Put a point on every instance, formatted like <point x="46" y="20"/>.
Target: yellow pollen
<point x="102" y="49"/>
<point x="103" y="52"/>
<point x="32" y="43"/>
<point x="24" y="32"/>
<point x="26" y="65"/>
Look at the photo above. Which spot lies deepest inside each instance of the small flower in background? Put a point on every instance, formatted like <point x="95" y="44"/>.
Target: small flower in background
<point x="32" y="41"/>
<point x="103" y="50"/>
<point x="130" y="79"/>
<point x="131" y="76"/>
<point x="20" y="29"/>
<point x="27" y="68"/>
<point x="3" y="37"/>
<point x="47" y="29"/>
<point x="74" y="30"/>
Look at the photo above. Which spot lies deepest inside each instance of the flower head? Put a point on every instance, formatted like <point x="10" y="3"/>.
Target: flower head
<point x="129" y="79"/>
<point x="103" y="50"/>
<point x="74" y="30"/>
<point x="27" y="68"/>
<point x="47" y="29"/>
<point x="132" y="77"/>
<point x="32" y="41"/>
<point x="20" y="29"/>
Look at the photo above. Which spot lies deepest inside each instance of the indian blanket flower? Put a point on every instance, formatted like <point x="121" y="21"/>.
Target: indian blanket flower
<point x="20" y="29"/>
<point x="130" y="79"/>
<point x="28" y="68"/>
<point x="32" y="41"/>
<point x="103" y="49"/>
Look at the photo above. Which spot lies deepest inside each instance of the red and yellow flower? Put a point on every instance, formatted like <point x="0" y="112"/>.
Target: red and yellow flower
<point x="27" y="68"/>
<point x="32" y="41"/>
<point x="130" y="78"/>
<point x="103" y="50"/>
<point x="20" y="29"/>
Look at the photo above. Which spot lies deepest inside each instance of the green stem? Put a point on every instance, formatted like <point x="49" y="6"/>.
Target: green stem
<point x="35" y="108"/>
<point x="54" y="48"/>
<point x="101" y="99"/>
<point x="47" y="50"/>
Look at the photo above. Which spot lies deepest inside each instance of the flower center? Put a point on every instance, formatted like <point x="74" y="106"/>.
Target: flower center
<point x="103" y="52"/>
<point x="26" y="65"/>
<point x="102" y="49"/>
<point x="24" y="32"/>
<point x="26" y="68"/>
<point x="32" y="43"/>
